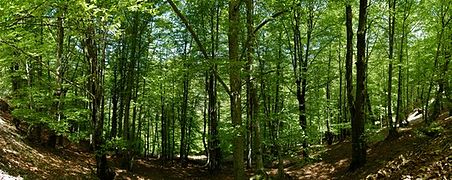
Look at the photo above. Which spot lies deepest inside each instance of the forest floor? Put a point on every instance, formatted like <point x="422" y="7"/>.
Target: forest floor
<point x="22" y="159"/>
<point x="411" y="155"/>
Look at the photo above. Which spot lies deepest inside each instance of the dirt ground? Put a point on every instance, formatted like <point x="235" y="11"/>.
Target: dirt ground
<point x="22" y="159"/>
<point x="153" y="168"/>
<point x="19" y="157"/>
<point x="409" y="156"/>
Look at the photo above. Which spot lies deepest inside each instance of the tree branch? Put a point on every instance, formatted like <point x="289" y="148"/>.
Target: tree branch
<point x="189" y="28"/>
<point x="32" y="56"/>
<point x="198" y="42"/>
<point x="263" y="23"/>
<point x="258" y="27"/>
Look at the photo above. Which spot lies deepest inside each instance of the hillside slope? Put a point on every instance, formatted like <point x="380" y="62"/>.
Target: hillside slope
<point x="416" y="153"/>
<point x="412" y="155"/>
<point x="22" y="159"/>
<point x="18" y="157"/>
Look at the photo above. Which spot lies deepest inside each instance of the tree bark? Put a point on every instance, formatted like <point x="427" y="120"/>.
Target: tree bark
<point x="252" y="101"/>
<point x="392" y="127"/>
<point x="95" y="92"/>
<point x="329" y="135"/>
<point x="114" y="101"/>
<point x="298" y="65"/>
<point x="163" y="124"/>
<point x="358" y="139"/>
<point x="442" y="47"/>
<point x="235" y="84"/>
<point x="274" y="125"/>
<point x="214" y="140"/>
<point x="183" y="130"/>
<point x="349" y="61"/>
<point x="204" y="132"/>
<point x="304" y="74"/>
<point x="53" y="137"/>
<point x="399" y="107"/>
<point x="339" y="102"/>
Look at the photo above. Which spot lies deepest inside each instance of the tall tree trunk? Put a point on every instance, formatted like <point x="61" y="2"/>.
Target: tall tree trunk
<point x="59" y="73"/>
<point x="249" y="99"/>
<point x="399" y="107"/>
<point x="129" y="95"/>
<point x="281" y="174"/>
<point x="277" y="108"/>
<point x="367" y="102"/>
<point x="122" y="82"/>
<point x="148" y="133"/>
<point x="442" y="47"/>
<point x="183" y="130"/>
<point x="140" y="121"/>
<point x="339" y="104"/>
<point x="329" y="135"/>
<point x="392" y="127"/>
<point x="134" y="111"/>
<point x="214" y="139"/>
<point x="173" y="121"/>
<point x="304" y="74"/>
<point x="235" y="84"/>
<point x="349" y="61"/>
<point x="156" y="134"/>
<point x="298" y="63"/>
<point x="253" y="105"/>
<point x="95" y="90"/>
<point x="163" y="124"/>
<point x="114" y="101"/>
<point x="204" y="132"/>
<point x="358" y="140"/>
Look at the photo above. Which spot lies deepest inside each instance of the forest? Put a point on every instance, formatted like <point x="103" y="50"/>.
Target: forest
<point x="225" y="89"/>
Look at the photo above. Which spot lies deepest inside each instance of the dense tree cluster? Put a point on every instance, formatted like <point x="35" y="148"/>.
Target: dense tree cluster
<point x="258" y="80"/>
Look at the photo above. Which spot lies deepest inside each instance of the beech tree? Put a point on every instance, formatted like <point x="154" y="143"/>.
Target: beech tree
<point x="247" y="83"/>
